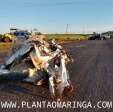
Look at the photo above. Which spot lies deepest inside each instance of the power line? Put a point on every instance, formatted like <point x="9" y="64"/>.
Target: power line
<point x="67" y="26"/>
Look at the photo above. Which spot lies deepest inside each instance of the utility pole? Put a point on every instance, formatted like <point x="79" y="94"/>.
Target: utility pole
<point x="67" y="26"/>
<point x="83" y="30"/>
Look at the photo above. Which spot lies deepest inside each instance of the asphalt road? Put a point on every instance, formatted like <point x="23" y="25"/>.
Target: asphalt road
<point x="91" y="75"/>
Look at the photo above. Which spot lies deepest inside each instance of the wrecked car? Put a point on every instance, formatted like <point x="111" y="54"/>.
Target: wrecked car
<point x="38" y="62"/>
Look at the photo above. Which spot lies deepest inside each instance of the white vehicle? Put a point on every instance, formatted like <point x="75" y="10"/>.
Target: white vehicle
<point x="20" y="35"/>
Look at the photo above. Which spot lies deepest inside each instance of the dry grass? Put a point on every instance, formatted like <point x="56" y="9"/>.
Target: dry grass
<point x="67" y="37"/>
<point x="5" y="47"/>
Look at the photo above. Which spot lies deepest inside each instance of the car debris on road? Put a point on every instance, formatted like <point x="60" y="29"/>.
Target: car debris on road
<point x="42" y="62"/>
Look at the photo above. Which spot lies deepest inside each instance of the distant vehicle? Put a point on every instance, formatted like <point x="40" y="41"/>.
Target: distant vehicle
<point x="20" y="34"/>
<point x="111" y="36"/>
<point x="97" y="37"/>
<point x="108" y="34"/>
<point x="15" y="34"/>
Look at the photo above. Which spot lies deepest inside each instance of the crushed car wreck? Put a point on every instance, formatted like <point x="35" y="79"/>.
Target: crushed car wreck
<point x="37" y="61"/>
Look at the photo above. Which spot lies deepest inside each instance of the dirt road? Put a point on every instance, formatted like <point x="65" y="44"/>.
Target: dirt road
<point x="91" y="74"/>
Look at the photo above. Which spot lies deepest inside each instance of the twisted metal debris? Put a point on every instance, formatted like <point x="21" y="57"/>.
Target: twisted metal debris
<point x="38" y="62"/>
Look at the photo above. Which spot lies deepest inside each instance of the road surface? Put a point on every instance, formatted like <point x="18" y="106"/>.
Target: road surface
<point x="91" y="75"/>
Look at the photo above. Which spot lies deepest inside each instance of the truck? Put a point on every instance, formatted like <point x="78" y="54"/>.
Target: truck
<point x="96" y="36"/>
<point x="14" y="33"/>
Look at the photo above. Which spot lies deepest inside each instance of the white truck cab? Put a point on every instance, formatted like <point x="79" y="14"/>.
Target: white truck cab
<point x="21" y="35"/>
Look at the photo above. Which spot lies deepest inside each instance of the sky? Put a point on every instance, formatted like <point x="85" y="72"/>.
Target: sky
<point x="52" y="16"/>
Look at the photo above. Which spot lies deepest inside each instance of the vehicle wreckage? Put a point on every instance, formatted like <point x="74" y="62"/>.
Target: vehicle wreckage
<point x="37" y="61"/>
